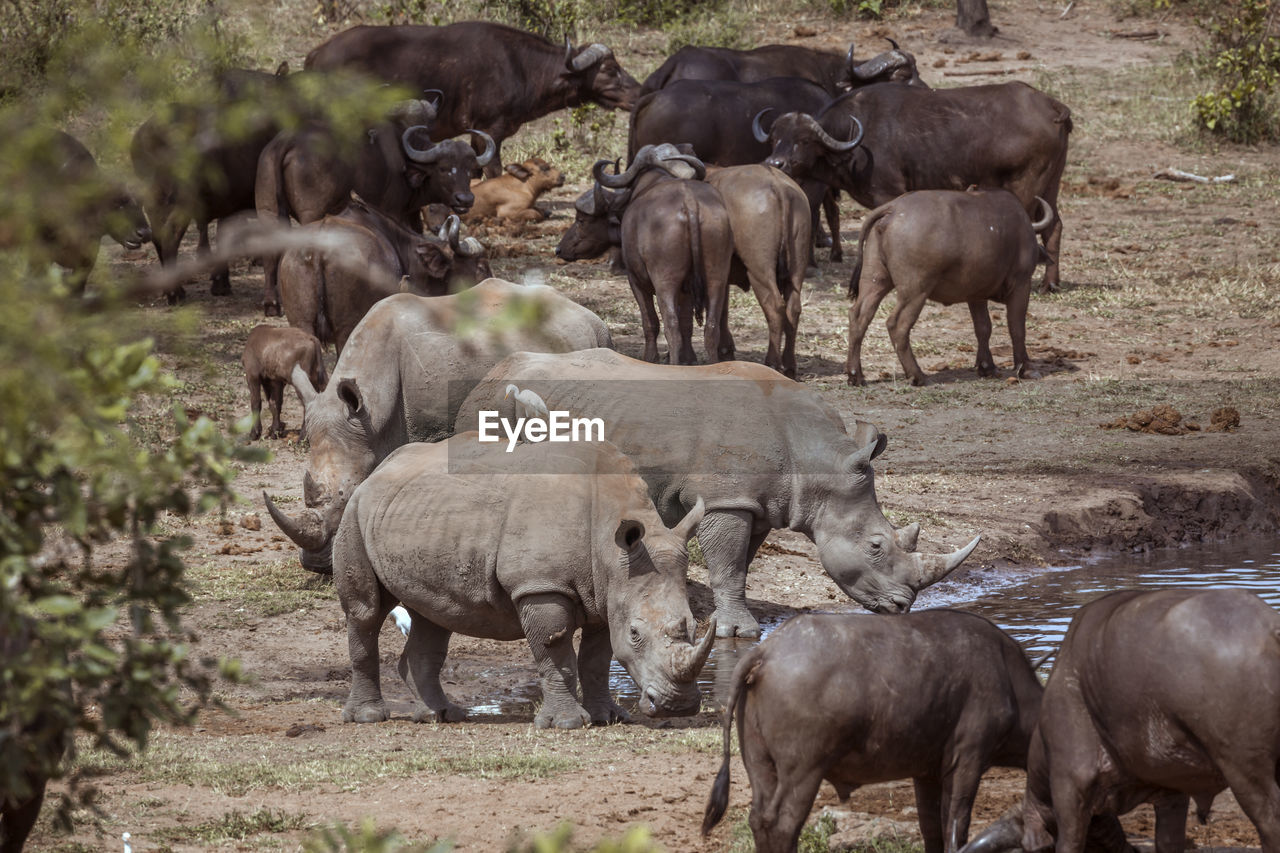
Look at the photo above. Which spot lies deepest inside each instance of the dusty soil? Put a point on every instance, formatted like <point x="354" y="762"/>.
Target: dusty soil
<point x="1168" y="299"/>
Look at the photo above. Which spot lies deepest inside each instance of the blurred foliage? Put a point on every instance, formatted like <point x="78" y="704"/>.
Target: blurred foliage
<point x="637" y="839"/>
<point x="367" y="839"/>
<point x="556" y="20"/>
<point x="877" y="8"/>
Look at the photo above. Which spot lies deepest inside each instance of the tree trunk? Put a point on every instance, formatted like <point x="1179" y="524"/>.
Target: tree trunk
<point x="973" y="18"/>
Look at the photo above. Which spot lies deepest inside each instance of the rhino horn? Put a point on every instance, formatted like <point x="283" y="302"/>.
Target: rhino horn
<point x="308" y="531"/>
<point x="906" y="537"/>
<point x="688" y="660"/>
<point x="1003" y="835"/>
<point x="934" y="568"/>
<point x="302" y="384"/>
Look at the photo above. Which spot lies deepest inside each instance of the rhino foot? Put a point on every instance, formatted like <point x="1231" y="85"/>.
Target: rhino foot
<point x="607" y="714"/>
<point x="372" y="712"/>
<point x="565" y="719"/>
<point x="736" y="623"/>
<point x="451" y="713"/>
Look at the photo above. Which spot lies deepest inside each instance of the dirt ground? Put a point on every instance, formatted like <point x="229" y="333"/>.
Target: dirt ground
<point x="1169" y="298"/>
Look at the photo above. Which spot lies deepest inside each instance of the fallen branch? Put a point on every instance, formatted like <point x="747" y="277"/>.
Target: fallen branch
<point x="1139" y="35"/>
<point x="1172" y="174"/>
<point x="1067" y="10"/>
<point x="984" y="72"/>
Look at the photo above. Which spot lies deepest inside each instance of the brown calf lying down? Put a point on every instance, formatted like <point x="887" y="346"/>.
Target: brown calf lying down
<point x="512" y="196"/>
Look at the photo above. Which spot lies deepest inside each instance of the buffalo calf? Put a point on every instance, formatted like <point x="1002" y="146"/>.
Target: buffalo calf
<point x="937" y="696"/>
<point x="512" y="196"/>
<point x="269" y="358"/>
<point x="948" y="246"/>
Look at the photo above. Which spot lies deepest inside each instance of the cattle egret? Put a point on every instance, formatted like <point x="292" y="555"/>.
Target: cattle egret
<point x="528" y="403"/>
<point x="127" y="847"/>
<point x="403" y="620"/>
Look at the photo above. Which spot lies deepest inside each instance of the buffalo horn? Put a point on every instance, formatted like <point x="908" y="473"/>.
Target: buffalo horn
<point x="688" y="660"/>
<point x="470" y="247"/>
<point x="307" y="531"/>
<point x="443" y="233"/>
<point x="878" y="65"/>
<point x="827" y="140"/>
<point x="490" y="147"/>
<point x="1046" y="220"/>
<point x="589" y="57"/>
<point x="699" y="168"/>
<point x="436" y="101"/>
<point x="419" y="155"/>
<point x="1002" y="836"/>
<point x="644" y="159"/>
<point x="756" y="130"/>
<point x="936" y="567"/>
<point x="892" y="42"/>
<point x="449" y="230"/>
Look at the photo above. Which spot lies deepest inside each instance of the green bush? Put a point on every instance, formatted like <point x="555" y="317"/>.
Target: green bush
<point x="1243" y="59"/>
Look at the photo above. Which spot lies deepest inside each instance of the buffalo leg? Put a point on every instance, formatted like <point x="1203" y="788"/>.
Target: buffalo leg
<point x="255" y="407"/>
<point x="220" y="281"/>
<point x="167" y="236"/>
<point x="549" y="623"/>
<point x="929" y="812"/>
<point x="904" y="316"/>
<point x="1255" y="782"/>
<point x="648" y="320"/>
<point x="725" y="538"/>
<point x="420" y="664"/>
<point x="17" y="820"/>
<point x="1072" y="811"/>
<point x="1016" y="310"/>
<point x="985" y="364"/>
<point x="1052" y="246"/>
<point x="728" y="350"/>
<point x="958" y="792"/>
<point x="1171" y="823"/>
<point x="717" y="320"/>
<point x="777" y="824"/>
<point x="678" y="324"/>
<point x="275" y="390"/>
<point x="775" y="316"/>
<point x="831" y="207"/>
<point x="594" y="655"/>
<point x="871" y="292"/>
<point x="790" y="331"/>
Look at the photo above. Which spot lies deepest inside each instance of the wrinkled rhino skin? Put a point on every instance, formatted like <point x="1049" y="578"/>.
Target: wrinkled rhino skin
<point x="818" y="700"/>
<point x="401" y="378"/>
<point x="762" y="451"/>
<point x="531" y="544"/>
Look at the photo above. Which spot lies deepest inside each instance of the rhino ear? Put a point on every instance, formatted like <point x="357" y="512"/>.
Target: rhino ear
<point x="349" y="393"/>
<point x="629" y="534"/>
<point x="865" y="432"/>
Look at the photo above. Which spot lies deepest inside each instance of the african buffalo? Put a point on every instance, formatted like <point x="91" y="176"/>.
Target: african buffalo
<point x="769" y="217"/>
<point x="677" y="246"/>
<point x="520" y="545"/>
<point x="270" y="354"/>
<point x="714" y="117"/>
<point x="404" y="372"/>
<point x="310" y="173"/>
<point x="495" y="78"/>
<point x="882" y="141"/>
<point x="200" y="164"/>
<point x="1157" y="697"/>
<point x="950" y="247"/>
<point x="512" y="196"/>
<point x="327" y="291"/>
<point x="71" y="204"/>
<point x="938" y="696"/>
<point x="795" y="467"/>
<point x="834" y="72"/>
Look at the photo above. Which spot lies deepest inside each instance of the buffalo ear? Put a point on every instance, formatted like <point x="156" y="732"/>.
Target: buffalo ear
<point x="434" y="259"/>
<point x="415" y="178"/>
<point x="629" y="534"/>
<point x="518" y="171"/>
<point x="349" y="394"/>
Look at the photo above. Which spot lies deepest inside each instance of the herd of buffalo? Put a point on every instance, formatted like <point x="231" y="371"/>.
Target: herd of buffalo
<point x="1162" y="697"/>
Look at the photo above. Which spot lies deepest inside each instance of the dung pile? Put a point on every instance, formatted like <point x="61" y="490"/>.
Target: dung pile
<point x="1166" y="420"/>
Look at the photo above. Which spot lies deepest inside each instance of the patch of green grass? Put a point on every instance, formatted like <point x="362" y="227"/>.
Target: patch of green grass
<point x="232" y="826"/>
<point x="261" y="589"/>
<point x="207" y="763"/>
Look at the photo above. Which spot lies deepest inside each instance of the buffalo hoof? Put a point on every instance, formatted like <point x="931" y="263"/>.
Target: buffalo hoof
<point x="567" y="719"/>
<point x="1046" y="287"/>
<point x="220" y="287"/>
<point x="856" y="380"/>
<point x="451" y="713"/>
<point x="920" y="380"/>
<point x="270" y="309"/>
<point x="837" y="255"/>
<point x="608" y="714"/>
<point x="985" y="369"/>
<point x="176" y="296"/>
<point x="374" y="712"/>
<point x="741" y="624"/>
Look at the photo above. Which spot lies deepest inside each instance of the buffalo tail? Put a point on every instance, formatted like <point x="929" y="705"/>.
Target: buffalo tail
<point x="718" y="802"/>
<point x="867" y="225"/>
<point x="324" y="328"/>
<point x="699" y="274"/>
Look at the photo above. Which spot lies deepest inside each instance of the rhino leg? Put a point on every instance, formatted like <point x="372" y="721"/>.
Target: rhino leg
<point x="366" y="607"/>
<point x="725" y="538"/>
<point x="549" y="622"/>
<point x="929" y="812"/>
<point x="420" y="665"/>
<point x="594" y="655"/>
<point x="984" y="363"/>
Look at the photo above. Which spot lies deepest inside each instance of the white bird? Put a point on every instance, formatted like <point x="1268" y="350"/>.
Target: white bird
<point x="528" y="403"/>
<point x="403" y="620"/>
<point x="127" y="847"/>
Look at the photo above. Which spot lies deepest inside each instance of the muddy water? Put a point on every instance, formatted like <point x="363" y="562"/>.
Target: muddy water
<point x="1034" y="605"/>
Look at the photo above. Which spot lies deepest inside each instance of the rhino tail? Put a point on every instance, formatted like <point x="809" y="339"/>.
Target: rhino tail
<point x="867" y="225"/>
<point x="698" y="271"/>
<point x="718" y="802"/>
